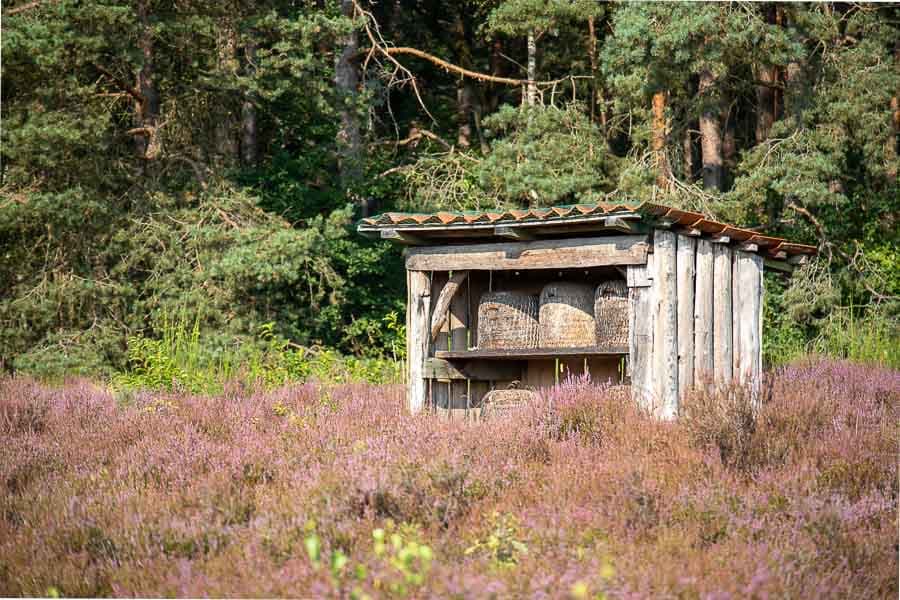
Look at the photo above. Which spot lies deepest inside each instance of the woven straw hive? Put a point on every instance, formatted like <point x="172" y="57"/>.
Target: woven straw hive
<point x="499" y="402"/>
<point x="507" y="320"/>
<point x="567" y="315"/>
<point x="611" y="315"/>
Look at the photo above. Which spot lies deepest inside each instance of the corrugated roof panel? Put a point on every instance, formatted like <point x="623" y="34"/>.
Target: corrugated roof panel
<point x="560" y="215"/>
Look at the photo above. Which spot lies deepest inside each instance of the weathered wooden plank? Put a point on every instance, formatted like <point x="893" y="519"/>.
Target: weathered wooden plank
<point x="477" y="370"/>
<point x="442" y="306"/>
<point x="722" y="340"/>
<point x="639" y="275"/>
<point x="703" y="313"/>
<point x="748" y="320"/>
<point x="735" y="311"/>
<point x="665" y="336"/>
<point x="540" y="254"/>
<point x="641" y="324"/>
<point x="686" y="271"/>
<point x="527" y="353"/>
<point x="418" y="310"/>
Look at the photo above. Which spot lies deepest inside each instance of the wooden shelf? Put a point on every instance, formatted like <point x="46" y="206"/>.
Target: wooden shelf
<point x="527" y="353"/>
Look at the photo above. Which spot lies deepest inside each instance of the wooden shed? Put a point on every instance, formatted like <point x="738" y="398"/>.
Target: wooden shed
<point x="674" y="300"/>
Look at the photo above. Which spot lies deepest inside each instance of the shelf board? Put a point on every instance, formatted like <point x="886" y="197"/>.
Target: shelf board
<point x="527" y="353"/>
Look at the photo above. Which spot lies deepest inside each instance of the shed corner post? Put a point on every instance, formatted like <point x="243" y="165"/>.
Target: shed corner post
<point x="418" y="310"/>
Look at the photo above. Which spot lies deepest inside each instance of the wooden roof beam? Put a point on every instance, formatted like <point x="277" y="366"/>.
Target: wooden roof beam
<point x="402" y="237"/>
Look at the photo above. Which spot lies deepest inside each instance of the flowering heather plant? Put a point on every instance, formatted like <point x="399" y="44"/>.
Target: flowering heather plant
<point x="312" y="491"/>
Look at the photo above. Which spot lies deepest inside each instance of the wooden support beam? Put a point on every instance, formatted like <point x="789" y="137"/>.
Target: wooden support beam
<point x="665" y="336"/>
<point x="703" y="314"/>
<point x="749" y="247"/>
<point x="685" y="269"/>
<point x="519" y="234"/>
<point x="401" y="237"/>
<point x="541" y="254"/>
<point x="722" y="314"/>
<point x="442" y="306"/>
<point x="798" y="259"/>
<point x="689" y="231"/>
<point x="417" y="311"/>
<point x="459" y="321"/>
<point x="779" y="265"/>
<point x="720" y="239"/>
<point x="438" y="368"/>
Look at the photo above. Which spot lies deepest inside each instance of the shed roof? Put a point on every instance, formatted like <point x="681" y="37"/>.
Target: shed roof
<point x="462" y="226"/>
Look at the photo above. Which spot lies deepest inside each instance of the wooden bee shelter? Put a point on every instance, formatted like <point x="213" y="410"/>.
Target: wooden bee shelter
<point x="641" y="294"/>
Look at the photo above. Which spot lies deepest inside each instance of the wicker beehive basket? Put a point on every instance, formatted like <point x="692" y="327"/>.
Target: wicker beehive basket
<point x="507" y="320"/>
<point x="500" y="402"/>
<point x="611" y="315"/>
<point x="567" y="315"/>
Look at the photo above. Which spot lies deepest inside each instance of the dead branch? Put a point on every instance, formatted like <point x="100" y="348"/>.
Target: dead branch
<point x="122" y="85"/>
<point x="451" y="68"/>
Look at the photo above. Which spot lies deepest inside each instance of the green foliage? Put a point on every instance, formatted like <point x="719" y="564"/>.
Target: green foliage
<point x="502" y="544"/>
<point x="544" y="155"/>
<point x="99" y="242"/>
<point x="182" y="360"/>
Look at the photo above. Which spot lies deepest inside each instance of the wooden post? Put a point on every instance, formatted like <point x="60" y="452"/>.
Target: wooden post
<point x="665" y="336"/>
<point x="418" y="310"/>
<point x="641" y="320"/>
<point x="748" y="320"/>
<point x="722" y="340"/>
<point x="703" y="314"/>
<point x="686" y="256"/>
<point x="459" y="320"/>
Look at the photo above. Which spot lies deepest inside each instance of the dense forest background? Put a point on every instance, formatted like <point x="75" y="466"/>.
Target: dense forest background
<point x="198" y="160"/>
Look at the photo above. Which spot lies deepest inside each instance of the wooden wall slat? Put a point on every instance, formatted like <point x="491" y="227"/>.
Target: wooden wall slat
<point x="686" y="269"/>
<point x="748" y="320"/>
<point x="703" y="313"/>
<point x="722" y="314"/>
<point x="417" y="339"/>
<point x="641" y="318"/>
<point x="665" y="336"/>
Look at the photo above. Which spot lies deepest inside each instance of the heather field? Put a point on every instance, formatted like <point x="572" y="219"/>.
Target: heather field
<point x="316" y="491"/>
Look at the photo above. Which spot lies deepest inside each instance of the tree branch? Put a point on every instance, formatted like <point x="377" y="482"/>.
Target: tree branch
<point x="128" y="89"/>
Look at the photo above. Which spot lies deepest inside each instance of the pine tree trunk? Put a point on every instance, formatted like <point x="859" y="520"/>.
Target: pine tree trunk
<point x="249" y="135"/>
<point x="729" y="150"/>
<point x="346" y="80"/>
<point x="464" y="101"/>
<point x="710" y="136"/>
<point x="766" y="102"/>
<point x="531" y="94"/>
<point x="465" y="93"/>
<point x="147" y="144"/>
<point x="768" y="98"/>
<point x="658" y="142"/>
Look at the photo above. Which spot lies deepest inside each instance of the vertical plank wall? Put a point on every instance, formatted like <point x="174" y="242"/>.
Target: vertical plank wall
<point x="696" y="317"/>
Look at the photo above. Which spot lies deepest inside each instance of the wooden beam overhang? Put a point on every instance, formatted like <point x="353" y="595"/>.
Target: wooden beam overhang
<point x="572" y="253"/>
